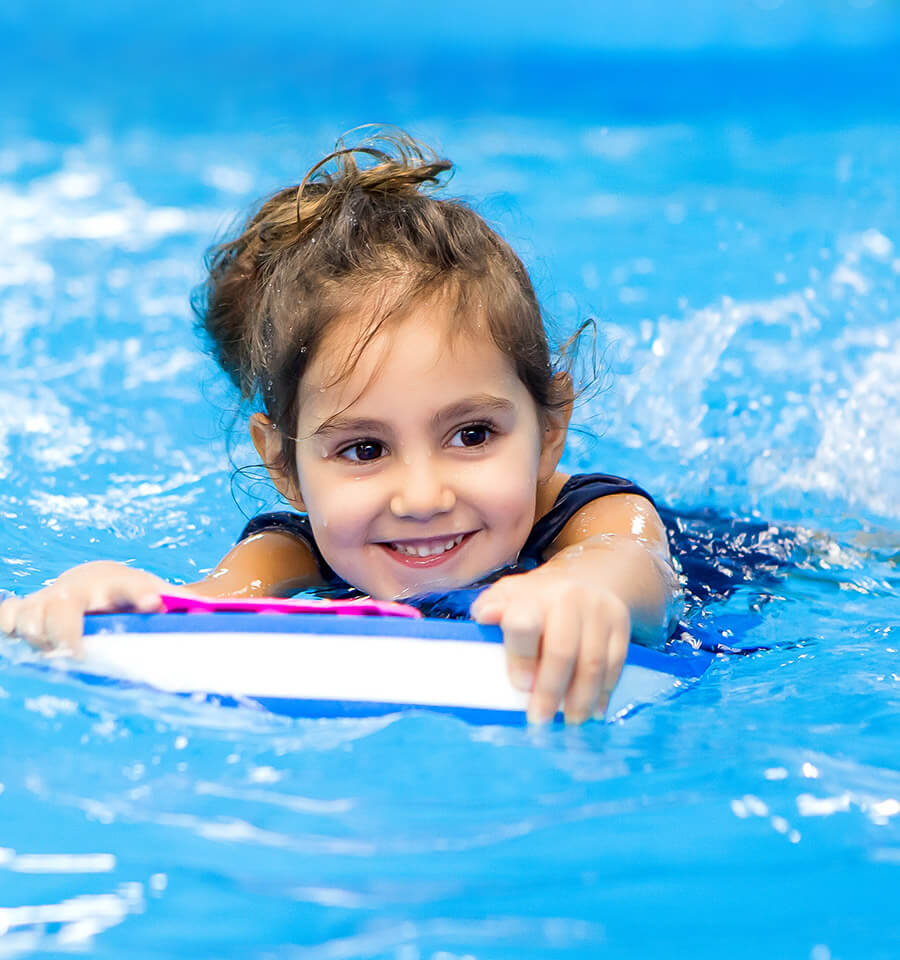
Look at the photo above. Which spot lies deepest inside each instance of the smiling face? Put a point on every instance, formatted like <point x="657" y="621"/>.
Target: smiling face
<point x="420" y="468"/>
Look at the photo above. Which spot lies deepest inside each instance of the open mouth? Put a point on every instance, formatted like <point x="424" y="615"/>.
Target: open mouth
<point x="425" y="553"/>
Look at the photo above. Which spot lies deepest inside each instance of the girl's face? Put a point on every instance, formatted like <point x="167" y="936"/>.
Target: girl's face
<point x="419" y="470"/>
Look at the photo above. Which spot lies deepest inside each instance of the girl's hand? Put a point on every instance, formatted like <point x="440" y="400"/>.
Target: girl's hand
<point x="52" y="618"/>
<point x="563" y="639"/>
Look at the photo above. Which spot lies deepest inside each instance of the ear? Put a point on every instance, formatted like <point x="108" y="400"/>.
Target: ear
<point x="267" y="438"/>
<point x="556" y="427"/>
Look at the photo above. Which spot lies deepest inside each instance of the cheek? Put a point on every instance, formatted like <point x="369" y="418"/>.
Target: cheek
<point x="514" y="509"/>
<point x="340" y="510"/>
<point x="507" y="489"/>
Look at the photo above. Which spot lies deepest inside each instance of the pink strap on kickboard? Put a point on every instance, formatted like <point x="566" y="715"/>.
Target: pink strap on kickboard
<point x="180" y="603"/>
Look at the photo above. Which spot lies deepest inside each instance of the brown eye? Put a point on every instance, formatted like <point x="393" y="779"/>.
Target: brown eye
<point x="474" y="435"/>
<point x="363" y="452"/>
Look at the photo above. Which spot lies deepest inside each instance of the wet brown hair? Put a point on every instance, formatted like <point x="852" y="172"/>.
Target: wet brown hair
<point x="363" y="235"/>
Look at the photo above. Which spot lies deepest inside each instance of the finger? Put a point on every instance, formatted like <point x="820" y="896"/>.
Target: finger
<point x="131" y="594"/>
<point x="522" y="625"/>
<point x="149" y="603"/>
<point x="617" y="651"/>
<point x="586" y="688"/>
<point x="8" y="611"/>
<point x="63" y="627"/>
<point x="30" y="623"/>
<point x="489" y="605"/>
<point x="559" y="648"/>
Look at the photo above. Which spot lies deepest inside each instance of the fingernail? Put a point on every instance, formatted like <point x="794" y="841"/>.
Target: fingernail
<point x="522" y="678"/>
<point x="575" y="719"/>
<point x="537" y="718"/>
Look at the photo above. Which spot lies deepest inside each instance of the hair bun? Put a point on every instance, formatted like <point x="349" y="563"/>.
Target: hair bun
<point x="392" y="163"/>
<point x="400" y="162"/>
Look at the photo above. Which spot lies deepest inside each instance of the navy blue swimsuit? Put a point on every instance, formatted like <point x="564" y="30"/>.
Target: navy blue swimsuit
<point x="578" y="491"/>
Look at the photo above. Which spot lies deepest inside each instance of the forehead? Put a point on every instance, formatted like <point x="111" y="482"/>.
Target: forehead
<point x="426" y="357"/>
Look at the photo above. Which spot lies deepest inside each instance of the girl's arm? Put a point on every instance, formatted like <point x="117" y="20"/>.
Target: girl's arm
<point x="268" y="563"/>
<point x="271" y="563"/>
<point x="566" y="625"/>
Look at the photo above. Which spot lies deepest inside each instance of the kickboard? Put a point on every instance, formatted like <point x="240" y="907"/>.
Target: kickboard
<point x="310" y="665"/>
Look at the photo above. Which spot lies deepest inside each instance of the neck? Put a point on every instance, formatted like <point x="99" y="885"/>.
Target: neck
<point x="547" y="493"/>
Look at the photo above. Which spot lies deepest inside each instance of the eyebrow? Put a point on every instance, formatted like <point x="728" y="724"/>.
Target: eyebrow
<point x="480" y="403"/>
<point x="470" y="406"/>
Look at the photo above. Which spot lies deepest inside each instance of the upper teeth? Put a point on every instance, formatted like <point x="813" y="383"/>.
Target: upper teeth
<point x="423" y="550"/>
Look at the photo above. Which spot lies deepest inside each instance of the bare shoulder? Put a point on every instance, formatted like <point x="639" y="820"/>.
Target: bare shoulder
<point x="622" y="514"/>
<point x="268" y="563"/>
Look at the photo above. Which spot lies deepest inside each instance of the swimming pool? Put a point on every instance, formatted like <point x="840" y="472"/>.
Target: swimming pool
<point x="723" y="194"/>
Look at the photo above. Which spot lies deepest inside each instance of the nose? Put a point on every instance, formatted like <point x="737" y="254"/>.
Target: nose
<point x="422" y="491"/>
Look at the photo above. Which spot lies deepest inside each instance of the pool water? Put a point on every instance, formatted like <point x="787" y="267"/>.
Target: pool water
<point x="718" y="185"/>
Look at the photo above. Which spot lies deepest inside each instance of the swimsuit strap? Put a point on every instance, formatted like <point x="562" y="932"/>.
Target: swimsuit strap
<point x="577" y="492"/>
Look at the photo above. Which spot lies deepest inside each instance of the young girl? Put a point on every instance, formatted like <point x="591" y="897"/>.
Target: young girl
<point x="413" y="417"/>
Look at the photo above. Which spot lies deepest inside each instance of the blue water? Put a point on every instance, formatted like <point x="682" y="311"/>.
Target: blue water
<point x="717" y="183"/>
